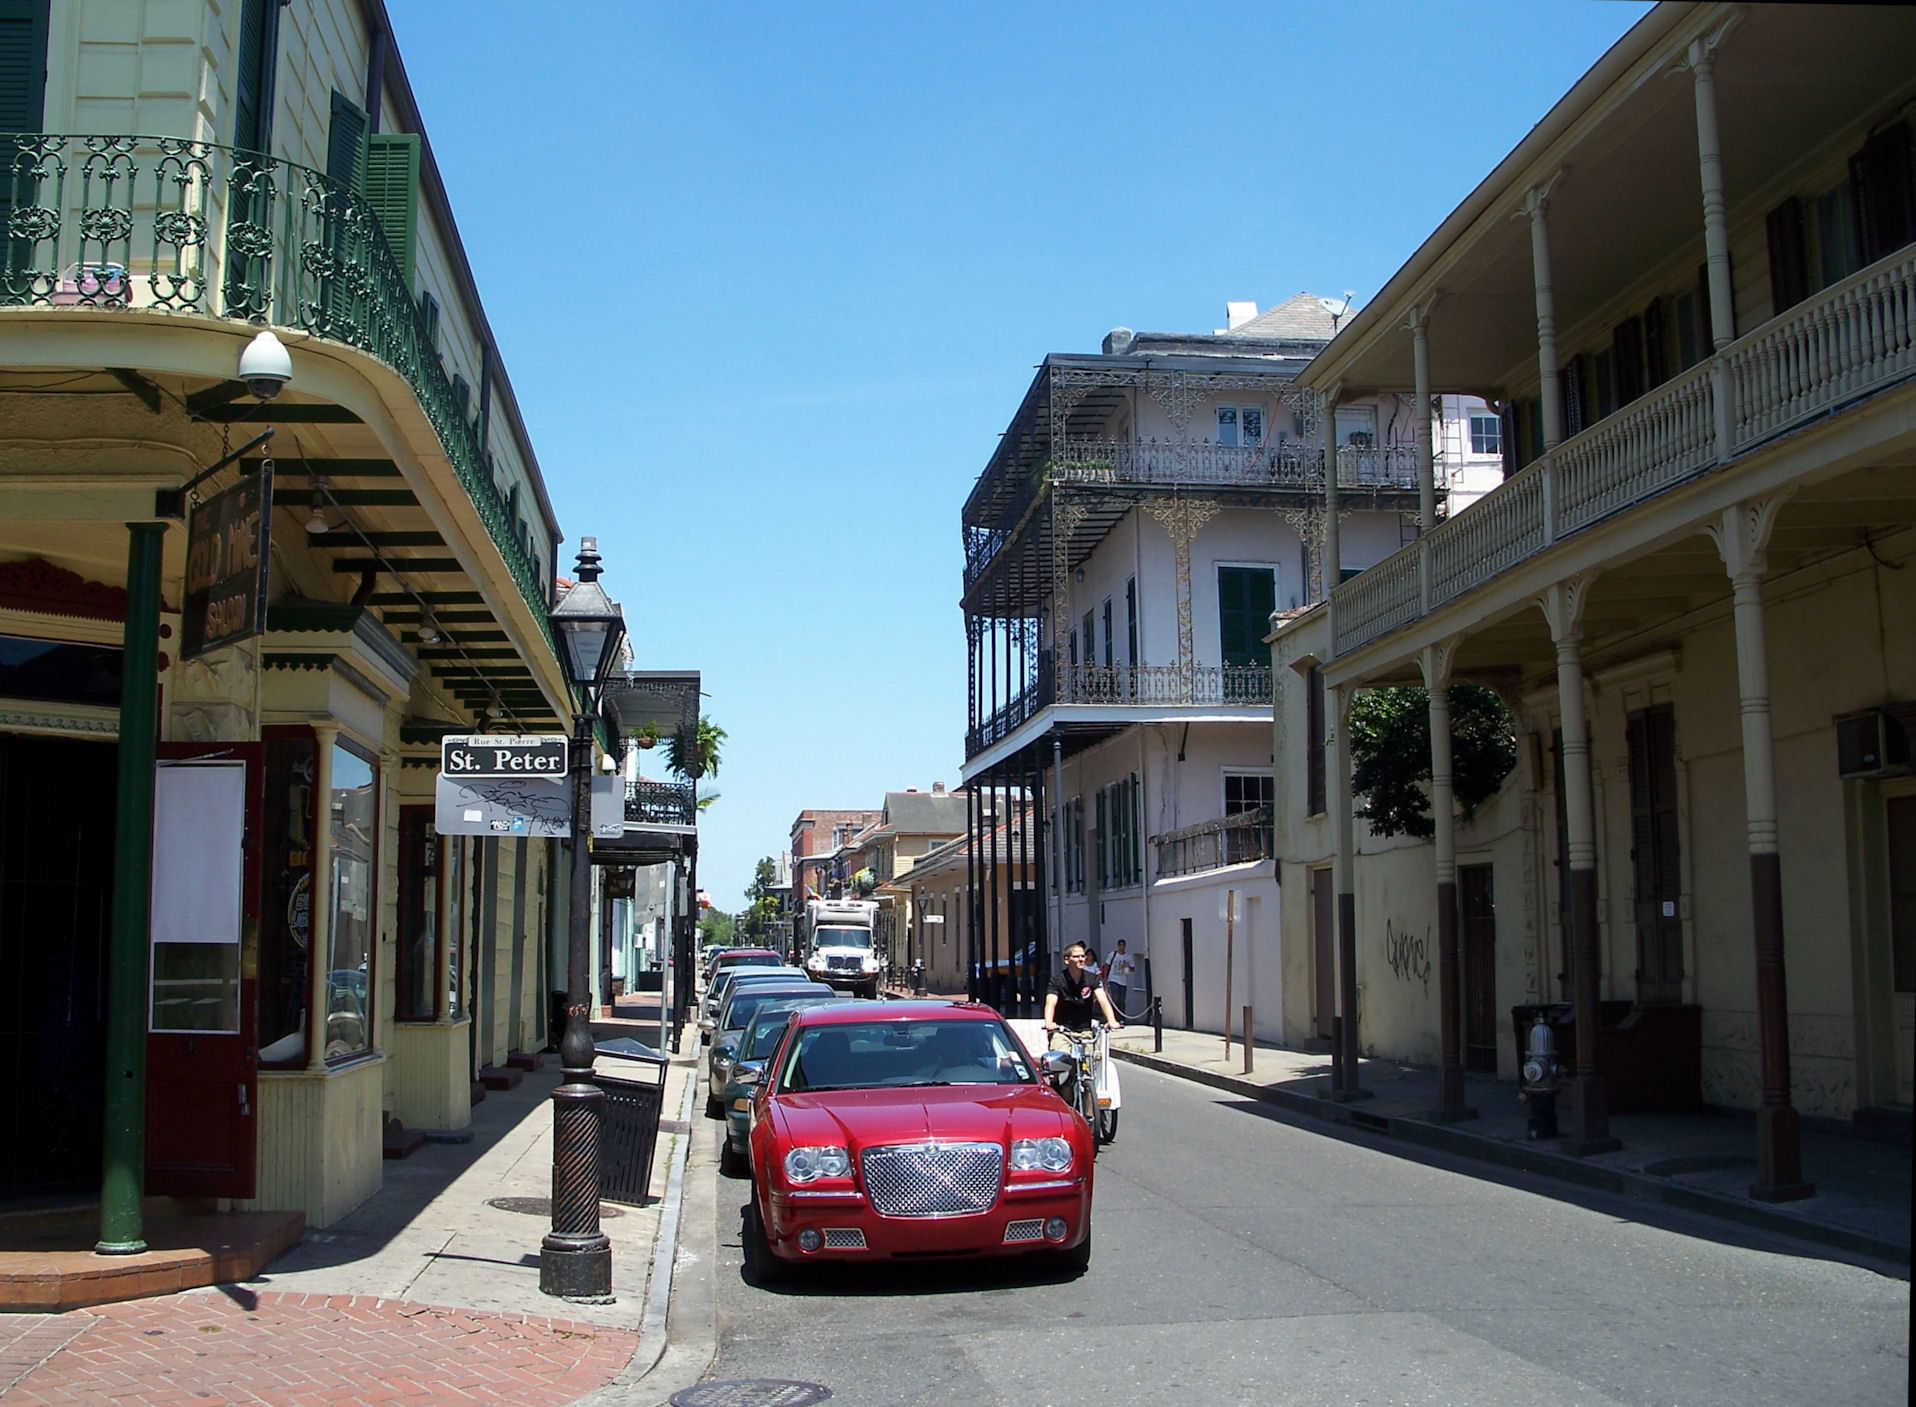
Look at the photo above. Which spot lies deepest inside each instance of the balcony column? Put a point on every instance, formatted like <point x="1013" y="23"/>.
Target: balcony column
<point x="1333" y="555"/>
<point x="1563" y="607"/>
<point x="1701" y="61"/>
<point x="1426" y="458"/>
<point x="1742" y="537"/>
<point x="1345" y="1085"/>
<point x="1182" y="518"/>
<point x="1436" y="662"/>
<point x="1537" y="206"/>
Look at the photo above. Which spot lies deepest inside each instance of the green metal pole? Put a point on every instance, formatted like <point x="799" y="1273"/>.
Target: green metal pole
<point x="123" y="1157"/>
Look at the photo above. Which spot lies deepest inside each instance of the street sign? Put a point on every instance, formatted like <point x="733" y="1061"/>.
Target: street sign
<point x="504" y="755"/>
<point x="226" y="562"/>
<point x="532" y="807"/>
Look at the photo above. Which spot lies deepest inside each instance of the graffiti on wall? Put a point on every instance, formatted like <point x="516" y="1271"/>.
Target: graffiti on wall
<point x="1408" y="954"/>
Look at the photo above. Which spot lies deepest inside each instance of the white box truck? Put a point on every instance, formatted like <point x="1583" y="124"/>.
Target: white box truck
<point x="841" y="944"/>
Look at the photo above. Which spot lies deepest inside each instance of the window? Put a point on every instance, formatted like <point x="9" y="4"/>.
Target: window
<point x="1073" y="835"/>
<point x="1108" y="634"/>
<point x="1246" y="596"/>
<point x="1131" y="619"/>
<point x="1314" y="743"/>
<point x="1090" y="639"/>
<point x="1120" y="848"/>
<point x="286" y="864"/>
<point x="1486" y="433"/>
<point x="353" y="811"/>
<point x="1240" y="425"/>
<point x="418" y="996"/>
<point x="1247" y="791"/>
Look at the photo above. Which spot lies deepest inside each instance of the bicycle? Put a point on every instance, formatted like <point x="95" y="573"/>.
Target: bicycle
<point x="1092" y="1088"/>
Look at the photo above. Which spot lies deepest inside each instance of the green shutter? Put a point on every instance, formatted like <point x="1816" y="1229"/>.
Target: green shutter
<point x="23" y="66"/>
<point x="255" y="60"/>
<point x="346" y="143"/>
<point x="392" y="189"/>
<point x="1246" y="596"/>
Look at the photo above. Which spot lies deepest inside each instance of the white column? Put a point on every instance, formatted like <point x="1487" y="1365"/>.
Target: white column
<point x="1701" y="62"/>
<point x="1549" y="391"/>
<point x="1332" y="566"/>
<point x="1426" y="459"/>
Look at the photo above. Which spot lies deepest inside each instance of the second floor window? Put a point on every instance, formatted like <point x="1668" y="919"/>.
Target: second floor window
<point x="1240" y="425"/>
<point x="1486" y="433"/>
<point x="1247" y="791"/>
<point x="1246" y="596"/>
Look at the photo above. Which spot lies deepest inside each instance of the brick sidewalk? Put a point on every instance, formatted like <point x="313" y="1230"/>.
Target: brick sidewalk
<point x="238" y="1346"/>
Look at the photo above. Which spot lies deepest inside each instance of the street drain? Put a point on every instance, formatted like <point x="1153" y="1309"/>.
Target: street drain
<point x="542" y="1206"/>
<point x="751" y="1392"/>
<point x="1701" y="1163"/>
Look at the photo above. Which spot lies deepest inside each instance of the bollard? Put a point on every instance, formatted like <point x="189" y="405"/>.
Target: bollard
<point x="1157" y="1025"/>
<point x="1247" y="1040"/>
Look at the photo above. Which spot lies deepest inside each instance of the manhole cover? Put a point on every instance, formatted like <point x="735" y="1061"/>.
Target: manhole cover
<point x="751" y="1392"/>
<point x="542" y="1206"/>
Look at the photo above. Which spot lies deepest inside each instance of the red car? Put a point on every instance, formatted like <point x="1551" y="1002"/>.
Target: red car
<point x="911" y="1130"/>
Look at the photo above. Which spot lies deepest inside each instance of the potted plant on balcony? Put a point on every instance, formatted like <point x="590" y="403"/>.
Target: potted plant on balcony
<point x="647" y="734"/>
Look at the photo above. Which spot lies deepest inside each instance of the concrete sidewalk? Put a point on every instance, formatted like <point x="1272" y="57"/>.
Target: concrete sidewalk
<point x="427" y="1293"/>
<point x="1702" y="1163"/>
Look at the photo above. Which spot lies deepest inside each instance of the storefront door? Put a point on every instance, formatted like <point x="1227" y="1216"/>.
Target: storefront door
<point x="201" y="1056"/>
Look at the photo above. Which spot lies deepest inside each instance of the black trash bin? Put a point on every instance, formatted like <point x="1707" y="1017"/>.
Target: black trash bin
<point x="629" y="1126"/>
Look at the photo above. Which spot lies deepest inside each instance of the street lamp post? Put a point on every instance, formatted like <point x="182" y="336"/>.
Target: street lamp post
<point x="575" y="1259"/>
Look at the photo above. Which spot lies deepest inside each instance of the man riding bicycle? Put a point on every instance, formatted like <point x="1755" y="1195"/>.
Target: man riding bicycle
<point x="1075" y="997"/>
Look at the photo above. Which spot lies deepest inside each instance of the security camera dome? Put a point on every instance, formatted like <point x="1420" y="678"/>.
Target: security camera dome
<point x="265" y="366"/>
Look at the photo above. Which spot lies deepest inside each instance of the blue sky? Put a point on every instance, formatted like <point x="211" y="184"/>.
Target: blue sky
<point x="769" y="280"/>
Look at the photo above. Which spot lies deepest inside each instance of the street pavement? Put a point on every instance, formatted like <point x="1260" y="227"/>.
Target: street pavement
<point x="1247" y="1255"/>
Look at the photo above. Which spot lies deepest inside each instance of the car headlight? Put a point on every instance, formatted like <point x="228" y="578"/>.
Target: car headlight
<point x="1050" y="1154"/>
<point x="808" y="1164"/>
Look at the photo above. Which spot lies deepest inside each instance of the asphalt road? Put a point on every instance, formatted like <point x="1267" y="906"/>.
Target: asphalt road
<point x="1243" y="1260"/>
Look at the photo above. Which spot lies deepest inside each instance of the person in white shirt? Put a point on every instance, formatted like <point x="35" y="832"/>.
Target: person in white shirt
<point x="1118" y="971"/>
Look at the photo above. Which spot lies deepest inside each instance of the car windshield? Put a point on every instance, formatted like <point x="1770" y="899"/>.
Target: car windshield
<point x="835" y="937"/>
<point x="748" y="960"/>
<point x="747" y="1003"/>
<point x="761" y="1032"/>
<point x="903" y="1053"/>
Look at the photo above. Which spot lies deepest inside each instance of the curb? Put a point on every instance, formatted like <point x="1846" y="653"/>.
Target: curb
<point x="657" y="1366"/>
<point x="1560" y="1167"/>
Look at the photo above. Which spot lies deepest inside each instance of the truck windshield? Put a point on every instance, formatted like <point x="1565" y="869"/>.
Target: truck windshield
<point x="843" y="938"/>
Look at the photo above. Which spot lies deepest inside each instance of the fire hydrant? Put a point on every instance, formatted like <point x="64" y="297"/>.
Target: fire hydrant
<point x="1542" y="1078"/>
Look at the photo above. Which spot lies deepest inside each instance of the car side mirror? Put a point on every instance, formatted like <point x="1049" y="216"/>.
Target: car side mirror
<point x="749" y="1072"/>
<point x="1056" y="1064"/>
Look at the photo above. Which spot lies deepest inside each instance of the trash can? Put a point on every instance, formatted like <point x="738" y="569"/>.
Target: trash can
<point x="629" y="1124"/>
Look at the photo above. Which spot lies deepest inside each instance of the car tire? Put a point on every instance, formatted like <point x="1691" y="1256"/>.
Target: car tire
<point x="762" y="1268"/>
<point x="1077" y="1260"/>
<point x="1107" y="1125"/>
<point x="712" y="1109"/>
<point x="733" y="1163"/>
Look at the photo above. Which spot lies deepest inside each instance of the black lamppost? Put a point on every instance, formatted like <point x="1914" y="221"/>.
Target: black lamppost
<point x="575" y="1259"/>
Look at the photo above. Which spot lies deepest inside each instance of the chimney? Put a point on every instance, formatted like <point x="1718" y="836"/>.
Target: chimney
<point x="937" y="788"/>
<point x="1237" y="314"/>
<point x="911" y="791"/>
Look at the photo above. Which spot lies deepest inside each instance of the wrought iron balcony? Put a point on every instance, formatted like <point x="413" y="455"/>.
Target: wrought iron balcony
<point x="1849" y="341"/>
<point x="1211" y="845"/>
<point x="166" y="225"/>
<point x="1143" y="686"/>
<point x="661" y="803"/>
<point x="1203" y="464"/>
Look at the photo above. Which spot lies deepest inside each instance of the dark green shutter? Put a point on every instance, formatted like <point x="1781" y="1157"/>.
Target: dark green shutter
<point x="255" y="60"/>
<point x="392" y="189"/>
<point x="23" y="86"/>
<point x="1885" y="200"/>
<point x="346" y="143"/>
<point x="1789" y="263"/>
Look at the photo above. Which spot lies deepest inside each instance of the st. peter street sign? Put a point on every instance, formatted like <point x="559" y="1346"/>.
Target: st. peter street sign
<point x="504" y="755"/>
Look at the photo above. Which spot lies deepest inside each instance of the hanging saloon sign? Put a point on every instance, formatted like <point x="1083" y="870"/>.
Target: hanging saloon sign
<point x="226" y="561"/>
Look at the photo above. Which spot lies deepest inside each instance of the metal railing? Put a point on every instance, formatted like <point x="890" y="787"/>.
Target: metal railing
<point x="1211" y="845"/>
<point x="166" y="225"/>
<point x="1202" y="463"/>
<point x="1848" y="342"/>
<point x="1130" y="685"/>
<point x="661" y="803"/>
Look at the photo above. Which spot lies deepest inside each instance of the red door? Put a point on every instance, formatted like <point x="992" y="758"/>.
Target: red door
<point x="201" y="1065"/>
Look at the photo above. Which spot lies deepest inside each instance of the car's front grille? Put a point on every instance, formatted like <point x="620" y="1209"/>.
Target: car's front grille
<point x="933" y="1179"/>
<point x="844" y="1238"/>
<point x="838" y="964"/>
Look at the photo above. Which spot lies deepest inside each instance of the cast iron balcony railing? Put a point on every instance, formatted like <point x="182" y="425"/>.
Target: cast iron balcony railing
<point x="1143" y="686"/>
<point x="661" y="803"/>
<point x="1850" y="341"/>
<point x="1211" y="845"/>
<point x="1203" y="464"/>
<point x="166" y="225"/>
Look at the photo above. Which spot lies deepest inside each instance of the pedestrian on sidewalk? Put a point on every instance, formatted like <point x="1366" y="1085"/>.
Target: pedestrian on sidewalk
<point x="1118" y="970"/>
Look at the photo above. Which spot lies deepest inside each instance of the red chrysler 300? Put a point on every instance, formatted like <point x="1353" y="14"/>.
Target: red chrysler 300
<point x="912" y="1129"/>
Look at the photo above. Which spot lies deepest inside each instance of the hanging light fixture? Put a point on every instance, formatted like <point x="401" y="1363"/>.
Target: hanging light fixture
<point x="316" y="520"/>
<point x="429" y="628"/>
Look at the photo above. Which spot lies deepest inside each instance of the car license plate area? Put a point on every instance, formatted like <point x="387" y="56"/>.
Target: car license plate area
<point x="933" y="1179"/>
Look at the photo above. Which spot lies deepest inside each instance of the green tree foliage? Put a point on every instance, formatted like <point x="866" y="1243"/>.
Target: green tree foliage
<point x="694" y="752"/>
<point x="1390" y="754"/>
<point x="763" y="902"/>
<point x="716" y="929"/>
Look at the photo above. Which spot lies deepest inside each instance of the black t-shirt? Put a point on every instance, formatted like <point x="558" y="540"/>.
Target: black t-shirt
<point x="1076" y="1003"/>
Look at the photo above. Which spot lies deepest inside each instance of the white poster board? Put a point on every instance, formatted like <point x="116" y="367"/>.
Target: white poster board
<point x="199" y="834"/>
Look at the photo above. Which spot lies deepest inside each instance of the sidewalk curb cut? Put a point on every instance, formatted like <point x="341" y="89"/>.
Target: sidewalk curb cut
<point x="1619" y="1181"/>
